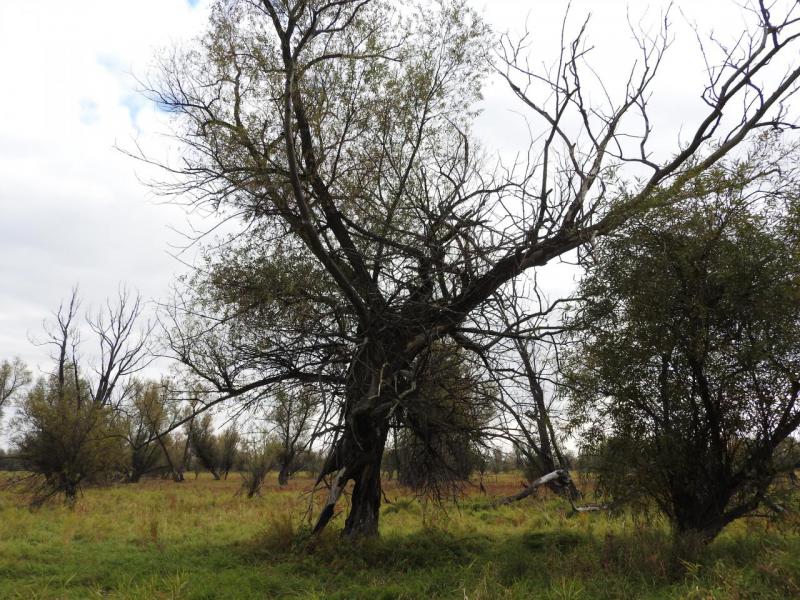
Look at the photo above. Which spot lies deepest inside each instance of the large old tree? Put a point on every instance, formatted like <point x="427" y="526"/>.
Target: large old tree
<point x="337" y="134"/>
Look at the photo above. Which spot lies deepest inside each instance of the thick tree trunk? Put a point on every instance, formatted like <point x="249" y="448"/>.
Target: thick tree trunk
<point x="379" y="380"/>
<point x="283" y="475"/>
<point x="366" y="500"/>
<point x="361" y="463"/>
<point x="696" y="526"/>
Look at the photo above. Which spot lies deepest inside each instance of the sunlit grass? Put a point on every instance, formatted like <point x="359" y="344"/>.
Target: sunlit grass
<point x="201" y="540"/>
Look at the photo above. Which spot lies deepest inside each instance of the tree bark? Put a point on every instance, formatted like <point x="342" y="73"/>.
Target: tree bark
<point x="559" y="475"/>
<point x="283" y="475"/>
<point x="360" y="458"/>
<point x="366" y="502"/>
<point x="358" y="454"/>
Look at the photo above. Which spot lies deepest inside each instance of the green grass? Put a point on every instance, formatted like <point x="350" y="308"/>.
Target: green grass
<point x="199" y="540"/>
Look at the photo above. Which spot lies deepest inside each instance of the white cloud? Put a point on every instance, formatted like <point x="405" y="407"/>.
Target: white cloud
<point x="71" y="207"/>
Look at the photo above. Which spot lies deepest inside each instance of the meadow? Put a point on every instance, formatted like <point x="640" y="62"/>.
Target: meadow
<point x="200" y="540"/>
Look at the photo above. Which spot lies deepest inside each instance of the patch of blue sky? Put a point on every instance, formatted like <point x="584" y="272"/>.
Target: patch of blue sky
<point x="134" y="103"/>
<point x="88" y="109"/>
<point x="131" y="99"/>
<point x="192" y="3"/>
<point x="110" y="63"/>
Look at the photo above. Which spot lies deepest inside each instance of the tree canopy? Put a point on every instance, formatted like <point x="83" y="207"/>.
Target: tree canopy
<point x="687" y="372"/>
<point x="373" y="225"/>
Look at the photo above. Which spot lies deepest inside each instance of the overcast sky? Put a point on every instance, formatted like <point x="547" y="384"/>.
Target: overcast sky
<point x="73" y="209"/>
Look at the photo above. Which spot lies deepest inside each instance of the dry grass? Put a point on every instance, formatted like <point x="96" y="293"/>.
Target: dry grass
<point x="200" y="540"/>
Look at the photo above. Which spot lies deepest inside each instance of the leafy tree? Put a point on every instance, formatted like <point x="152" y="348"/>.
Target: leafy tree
<point x="68" y="440"/>
<point x="156" y="414"/>
<point x="14" y="376"/>
<point x="204" y="444"/>
<point x="292" y="416"/>
<point x="688" y="371"/>
<point x="67" y="427"/>
<point x="259" y="458"/>
<point x="228" y="443"/>
<point x="142" y="418"/>
<point x="339" y="134"/>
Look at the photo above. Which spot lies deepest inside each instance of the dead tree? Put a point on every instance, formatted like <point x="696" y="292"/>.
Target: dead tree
<point x="521" y="354"/>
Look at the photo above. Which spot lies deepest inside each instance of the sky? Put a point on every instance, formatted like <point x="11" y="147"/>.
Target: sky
<point x="74" y="209"/>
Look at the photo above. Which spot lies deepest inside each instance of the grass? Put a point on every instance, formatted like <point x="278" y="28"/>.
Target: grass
<point x="199" y="540"/>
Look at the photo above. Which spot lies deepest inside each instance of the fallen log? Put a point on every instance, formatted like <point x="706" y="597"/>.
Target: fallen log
<point x="559" y="475"/>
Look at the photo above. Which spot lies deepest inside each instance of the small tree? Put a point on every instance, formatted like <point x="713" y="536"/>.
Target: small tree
<point x="203" y="443"/>
<point x="228" y="445"/>
<point x="159" y="416"/>
<point x="141" y="418"/>
<point x="688" y="370"/>
<point x="292" y="415"/>
<point x="259" y="457"/>
<point x="68" y="430"/>
<point x="68" y="440"/>
<point x="14" y="376"/>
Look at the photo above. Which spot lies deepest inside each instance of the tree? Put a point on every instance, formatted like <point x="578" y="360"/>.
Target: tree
<point x="14" y="376"/>
<point x="228" y="443"/>
<point x="338" y="133"/>
<point x="142" y="419"/>
<point x="203" y="443"/>
<point x="260" y="456"/>
<point x="157" y="415"/>
<point x="294" y="428"/>
<point x="521" y="354"/>
<point x="68" y="440"/>
<point x="688" y="370"/>
<point x="68" y="432"/>
<point x="440" y="431"/>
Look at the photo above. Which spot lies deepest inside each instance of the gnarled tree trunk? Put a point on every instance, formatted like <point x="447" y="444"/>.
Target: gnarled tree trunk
<point x="357" y="456"/>
<point x="283" y="474"/>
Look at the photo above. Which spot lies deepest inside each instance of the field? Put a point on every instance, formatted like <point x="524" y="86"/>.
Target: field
<point x="199" y="540"/>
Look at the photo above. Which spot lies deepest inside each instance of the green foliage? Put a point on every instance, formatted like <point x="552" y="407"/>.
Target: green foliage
<point x="143" y="419"/>
<point x="259" y="457"/>
<point x="203" y="442"/>
<point x="685" y="377"/>
<point x="228" y="448"/>
<point x="439" y="441"/>
<point x="66" y="439"/>
<point x="14" y="376"/>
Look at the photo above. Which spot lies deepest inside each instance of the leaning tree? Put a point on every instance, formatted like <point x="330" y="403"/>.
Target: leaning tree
<point x="337" y="133"/>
